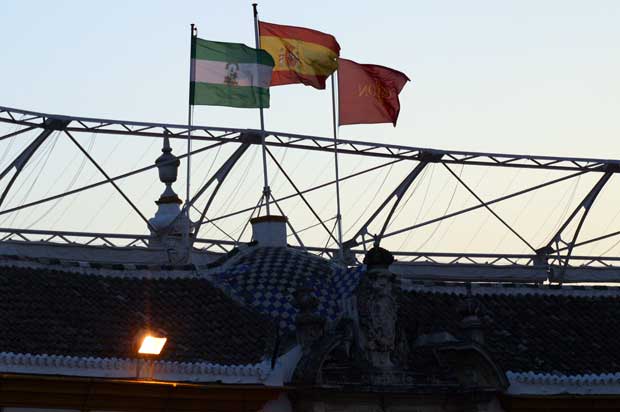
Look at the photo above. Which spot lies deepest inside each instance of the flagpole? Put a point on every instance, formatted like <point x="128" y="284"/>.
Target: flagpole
<point x="188" y="229"/>
<point x="266" y="189"/>
<point x="335" y="128"/>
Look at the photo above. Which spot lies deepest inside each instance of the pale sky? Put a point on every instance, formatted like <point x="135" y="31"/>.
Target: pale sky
<point x="537" y="77"/>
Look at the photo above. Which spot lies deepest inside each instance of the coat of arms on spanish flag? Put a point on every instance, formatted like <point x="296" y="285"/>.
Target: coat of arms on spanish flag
<point x="301" y="55"/>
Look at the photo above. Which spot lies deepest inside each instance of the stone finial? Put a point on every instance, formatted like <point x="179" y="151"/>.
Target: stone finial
<point x="168" y="208"/>
<point x="168" y="167"/>
<point x="469" y="309"/>
<point x="308" y="324"/>
<point x="378" y="258"/>
<point x="168" y="223"/>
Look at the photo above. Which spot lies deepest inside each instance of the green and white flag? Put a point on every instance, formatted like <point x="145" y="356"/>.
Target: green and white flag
<point x="229" y="74"/>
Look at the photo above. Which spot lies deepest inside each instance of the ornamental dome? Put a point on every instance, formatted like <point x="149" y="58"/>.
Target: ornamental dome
<point x="267" y="277"/>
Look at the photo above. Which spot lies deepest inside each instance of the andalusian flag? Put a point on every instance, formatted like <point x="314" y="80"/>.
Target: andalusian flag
<point x="229" y="74"/>
<point x="302" y="55"/>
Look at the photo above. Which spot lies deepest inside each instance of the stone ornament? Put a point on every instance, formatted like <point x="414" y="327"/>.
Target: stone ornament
<point x="377" y="309"/>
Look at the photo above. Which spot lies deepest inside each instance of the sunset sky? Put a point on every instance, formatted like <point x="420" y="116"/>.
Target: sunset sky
<point x="539" y="77"/>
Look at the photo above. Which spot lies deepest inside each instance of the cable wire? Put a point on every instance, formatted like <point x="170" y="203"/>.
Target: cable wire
<point x="352" y="226"/>
<point x="487" y="217"/>
<point x="445" y="212"/>
<point x="77" y="174"/>
<point x="428" y="185"/>
<point x="48" y="151"/>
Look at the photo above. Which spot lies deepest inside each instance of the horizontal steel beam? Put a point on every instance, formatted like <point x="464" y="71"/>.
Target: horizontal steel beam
<point x="498" y="259"/>
<point x="589" y="274"/>
<point x="469" y="267"/>
<point x="511" y="274"/>
<point x="314" y="143"/>
<point x="470" y="272"/>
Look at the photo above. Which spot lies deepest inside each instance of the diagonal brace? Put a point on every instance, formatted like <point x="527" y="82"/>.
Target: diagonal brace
<point x="398" y="193"/>
<point x="22" y="159"/>
<point x="112" y="182"/>
<point x="486" y="205"/>
<point x="301" y="196"/>
<point x="18" y="132"/>
<point x="478" y="206"/>
<point x="586" y="205"/>
<point x="220" y="176"/>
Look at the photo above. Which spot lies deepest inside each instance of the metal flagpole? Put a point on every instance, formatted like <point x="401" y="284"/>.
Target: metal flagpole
<point x="266" y="189"/>
<point x="338" y="215"/>
<point x="187" y="231"/>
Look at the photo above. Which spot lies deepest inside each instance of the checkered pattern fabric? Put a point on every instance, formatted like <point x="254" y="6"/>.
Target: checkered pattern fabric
<point x="267" y="277"/>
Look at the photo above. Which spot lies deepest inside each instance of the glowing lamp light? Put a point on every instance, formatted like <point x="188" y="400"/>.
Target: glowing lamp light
<point x="152" y="345"/>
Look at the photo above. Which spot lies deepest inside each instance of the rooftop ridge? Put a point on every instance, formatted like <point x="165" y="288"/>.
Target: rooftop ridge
<point x="122" y="270"/>
<point x="510" y="289"/>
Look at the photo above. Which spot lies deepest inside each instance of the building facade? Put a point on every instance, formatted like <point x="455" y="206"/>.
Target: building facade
<point x="274" y="328"/>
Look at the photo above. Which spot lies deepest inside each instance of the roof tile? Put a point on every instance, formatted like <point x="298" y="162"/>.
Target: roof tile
<point x="54" y="312"/>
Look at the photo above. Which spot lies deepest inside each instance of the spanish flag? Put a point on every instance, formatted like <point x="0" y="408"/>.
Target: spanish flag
<point x="301" y="55"/>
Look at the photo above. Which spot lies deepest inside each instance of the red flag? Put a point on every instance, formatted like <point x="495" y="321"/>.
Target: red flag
<point x="368" y="93"/>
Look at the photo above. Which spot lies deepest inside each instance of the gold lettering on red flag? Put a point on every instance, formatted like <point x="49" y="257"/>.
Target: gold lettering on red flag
<point x="368" y="93"/>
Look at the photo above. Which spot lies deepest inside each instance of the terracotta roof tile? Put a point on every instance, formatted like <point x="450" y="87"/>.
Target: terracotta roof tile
<point x="53" y="312"/>
<point x="551" y="333"/>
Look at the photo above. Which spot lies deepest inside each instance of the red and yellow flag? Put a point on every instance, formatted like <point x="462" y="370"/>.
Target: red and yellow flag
<point x="301" y="55"/>
<point x="368" y="93"/>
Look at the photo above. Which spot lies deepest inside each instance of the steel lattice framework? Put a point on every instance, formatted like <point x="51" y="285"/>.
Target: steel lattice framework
<point x="554" y="261"/>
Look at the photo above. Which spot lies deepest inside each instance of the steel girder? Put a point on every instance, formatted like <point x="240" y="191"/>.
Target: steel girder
<point x="49" y="126"/>
<point x="560" y="262"/>
<point x="556" y="243"/>
<point x="31" y="119"/>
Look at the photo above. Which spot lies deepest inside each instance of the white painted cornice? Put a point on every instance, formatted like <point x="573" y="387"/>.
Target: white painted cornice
<point x="511" y="289"/>
<point x="42" y="364"/>
<point x="536" y="383"/>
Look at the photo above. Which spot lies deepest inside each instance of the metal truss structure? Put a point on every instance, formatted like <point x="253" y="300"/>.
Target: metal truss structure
<point x="553" y="262"/>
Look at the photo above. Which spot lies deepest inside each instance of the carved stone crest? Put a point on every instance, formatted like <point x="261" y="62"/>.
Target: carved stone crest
<point x="309" y="325"/>
<point x="377" y="309"/>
